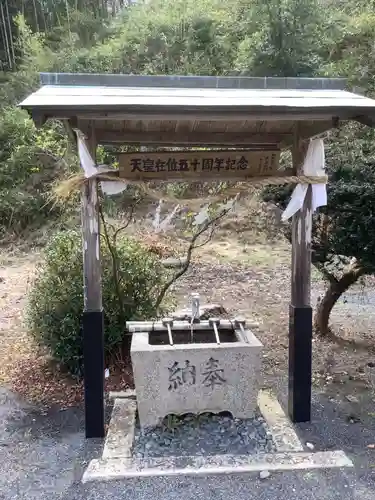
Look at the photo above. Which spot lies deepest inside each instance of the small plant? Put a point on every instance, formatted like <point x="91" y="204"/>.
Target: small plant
<point x="55" y="303"/>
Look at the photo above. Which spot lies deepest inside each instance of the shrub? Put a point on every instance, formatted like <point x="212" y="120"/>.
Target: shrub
<point x="55" y="302"/>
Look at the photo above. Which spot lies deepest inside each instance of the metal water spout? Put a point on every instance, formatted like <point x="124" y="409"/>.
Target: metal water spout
<point x="195" y="305"/>
<point x="195" y="313"/>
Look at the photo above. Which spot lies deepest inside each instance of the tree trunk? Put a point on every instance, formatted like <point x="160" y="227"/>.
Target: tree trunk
<point x="333" y="293"/>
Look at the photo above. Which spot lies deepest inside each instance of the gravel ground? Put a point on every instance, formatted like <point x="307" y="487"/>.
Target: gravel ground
<point x="204" y="435"/>
<point x="43" y="456"/>
<point x="306" y="485"/>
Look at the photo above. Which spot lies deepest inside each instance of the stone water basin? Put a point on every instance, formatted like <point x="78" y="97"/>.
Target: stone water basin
<point x="184" y="371"/>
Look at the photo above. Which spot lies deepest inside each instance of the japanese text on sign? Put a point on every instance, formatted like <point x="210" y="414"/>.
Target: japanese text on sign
<point x="195" y="165"/>
<point x="210" y="375"/>
<point x="198" y="163"/>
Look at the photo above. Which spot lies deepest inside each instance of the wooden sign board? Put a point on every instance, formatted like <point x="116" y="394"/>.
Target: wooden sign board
<point x="197" y="165"/>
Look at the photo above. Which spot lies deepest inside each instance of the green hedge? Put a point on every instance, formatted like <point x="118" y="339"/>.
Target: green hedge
<point x="55" y="302"/>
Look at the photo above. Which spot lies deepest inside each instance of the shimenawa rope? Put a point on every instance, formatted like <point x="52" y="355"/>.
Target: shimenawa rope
<point x="67" y="188"/>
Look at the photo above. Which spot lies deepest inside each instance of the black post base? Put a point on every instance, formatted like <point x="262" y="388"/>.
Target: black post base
<point x="300" y="358"/>
<point x="93" y="353"/>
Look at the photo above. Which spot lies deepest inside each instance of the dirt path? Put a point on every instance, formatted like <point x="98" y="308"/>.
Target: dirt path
<point x="15" y="276"/>
<point x="23" y="368"/>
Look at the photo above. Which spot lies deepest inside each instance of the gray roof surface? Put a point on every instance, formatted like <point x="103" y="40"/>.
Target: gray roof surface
<point x="203" y="95"/>
<point x="128" y="97"/>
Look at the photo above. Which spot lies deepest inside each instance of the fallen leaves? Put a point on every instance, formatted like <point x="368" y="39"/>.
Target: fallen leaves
<point x="34" y="380"/>
<point x="22" y="368"/>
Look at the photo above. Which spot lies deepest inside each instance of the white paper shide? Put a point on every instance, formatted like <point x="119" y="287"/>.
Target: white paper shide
<point x="314" y="165"/>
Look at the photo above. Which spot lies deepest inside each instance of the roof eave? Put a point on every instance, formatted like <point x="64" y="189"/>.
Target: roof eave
<point x="203" y="113"/>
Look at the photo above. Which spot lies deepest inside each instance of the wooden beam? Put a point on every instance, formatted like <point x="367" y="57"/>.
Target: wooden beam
<point x="257" y="141"/>
<point x="310" y="130"/>
<point x="207" y="113"/>
<point x="300" y="315"/>
<point x="38" y="118"/>
<point x="93" y="328"/>
<point x="301" y="236"/>
<point x="170" y="138"/>
<point x="91" y="239"/>
<point x="202" y="115"/>
<point x="369" y="121"/>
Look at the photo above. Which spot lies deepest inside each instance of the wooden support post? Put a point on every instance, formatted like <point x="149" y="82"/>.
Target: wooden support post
<point x="93" y="328"/>
<point x="300" y="313"/>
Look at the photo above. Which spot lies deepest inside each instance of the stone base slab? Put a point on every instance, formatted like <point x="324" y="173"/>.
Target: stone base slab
<point x="117" y="461"/>
<point x="122" y="468"/>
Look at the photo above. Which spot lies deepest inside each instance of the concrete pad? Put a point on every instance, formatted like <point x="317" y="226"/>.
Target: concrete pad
<point x="280" y="426"/>
<point x="120" y="434"/>
<point x="122" y="468"/>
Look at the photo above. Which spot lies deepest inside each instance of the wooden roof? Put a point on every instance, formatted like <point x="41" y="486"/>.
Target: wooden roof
<point x="197" y="111"/>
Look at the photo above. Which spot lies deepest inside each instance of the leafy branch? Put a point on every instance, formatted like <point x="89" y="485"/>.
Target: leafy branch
<point x="111" y="243"/>
<point x="210" y="225"/>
